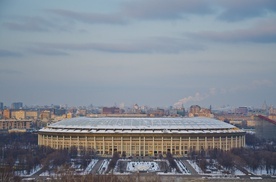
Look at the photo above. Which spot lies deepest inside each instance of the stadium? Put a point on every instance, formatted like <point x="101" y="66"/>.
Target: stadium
<point x="142" y="136"/>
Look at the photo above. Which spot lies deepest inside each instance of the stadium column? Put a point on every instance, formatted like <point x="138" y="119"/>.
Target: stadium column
<point x="240" y="140"/>
<point x="243" y="140"/>
<point x="153" y="146"/>
<point x="103" y="152"/>
<point x="226" y="147"/>
<point x="236" y="141"/>
<point x="86" y="147"/>
<point x="121" y="145"/>
<point x="78" y="143"/>
<point x="95" y="147"/>
<point x="171" y="145"/>
<point x="112" y="146"/>
<point x="43" y="139"/>
<point x="206" y="145"/>
<point x="231" y="142"/>
<point x="220" y="142"/>
<point x="189" y="143"/>
<point x="130" y="146"/>
<point x="180" y="143"/>
<point x="197" y="144"/>
<point x="144" y="146"/>
<point x="139" y="146"/>
<point x="63" y="140"/>
<point x="70" y="141"/>
<point x="162" y="145"/>
<point x="52" y="141"/>
<point x="213" y="142"/>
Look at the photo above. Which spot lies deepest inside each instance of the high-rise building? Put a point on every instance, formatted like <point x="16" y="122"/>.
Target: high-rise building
<point x="16" y="105"/>
<point x="1" y="106"/>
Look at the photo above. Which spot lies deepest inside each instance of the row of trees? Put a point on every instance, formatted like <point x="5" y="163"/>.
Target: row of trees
<point x="259" y="154"/>
<point x="256" y="159"/>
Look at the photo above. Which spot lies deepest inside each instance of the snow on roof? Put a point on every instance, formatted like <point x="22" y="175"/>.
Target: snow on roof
<point x="196" y="123"/>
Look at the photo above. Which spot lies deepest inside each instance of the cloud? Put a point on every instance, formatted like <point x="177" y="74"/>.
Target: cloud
<point x="236" y="10"/>
<point x="262" y="32"/>
<point x="91" y="18"/>
<point x="225" y="10"/>
<point x="36" y="24"/>
<point x="151" y="45"/>
<point x="48" y="52"/>
<point x="63" y="19"/>
<point x="7" y="53"/>
<point x="170" y="9"/>
<point x="197" y="97"/>
<point x="144" y="9"/>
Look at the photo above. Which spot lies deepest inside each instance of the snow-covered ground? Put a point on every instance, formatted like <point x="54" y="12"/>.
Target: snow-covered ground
<point x="77" y="169"/>
<point x="182" y="167"/>
<point x="102" y="169"/>
<point x="90" y="166"/>
<point x="48" y="173"/>
<point x="195" y="166"/>
<point x="216" y="173"/>
<point x="261" y="171"/>
<point x="142" y="166"/>
<point x="25" y="174"/>
<point x="237" y="172"/>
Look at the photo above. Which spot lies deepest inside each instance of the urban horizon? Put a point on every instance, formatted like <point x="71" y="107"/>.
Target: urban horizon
<point x="123" y="105"/>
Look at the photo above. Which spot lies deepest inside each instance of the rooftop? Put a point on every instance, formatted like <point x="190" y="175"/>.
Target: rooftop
<point x="141" y="123"/>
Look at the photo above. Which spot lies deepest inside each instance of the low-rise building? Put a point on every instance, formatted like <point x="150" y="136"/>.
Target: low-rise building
<point x="18" y="114"/>
<point x="7" y="124"/>
<point x="6" y="114"/>
<point x="45" y="115"/>
<point x="265" y="127"/>
<point x="32" y="114"/>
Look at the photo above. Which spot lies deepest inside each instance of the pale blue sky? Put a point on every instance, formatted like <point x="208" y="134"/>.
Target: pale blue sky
<point x="149" y="52"/>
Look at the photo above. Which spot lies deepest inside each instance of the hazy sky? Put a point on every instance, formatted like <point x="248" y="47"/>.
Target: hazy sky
<point x="149" y="52"/>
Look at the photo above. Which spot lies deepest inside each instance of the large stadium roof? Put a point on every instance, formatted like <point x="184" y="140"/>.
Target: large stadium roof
<point x="127" y="125"/>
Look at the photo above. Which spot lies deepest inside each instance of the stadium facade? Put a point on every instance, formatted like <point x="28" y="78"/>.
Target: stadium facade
<point x="142" y="136"/>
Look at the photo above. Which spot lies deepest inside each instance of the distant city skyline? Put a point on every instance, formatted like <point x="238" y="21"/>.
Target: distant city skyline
<point x="149" y="52"/>
<point x="139" y="105"/>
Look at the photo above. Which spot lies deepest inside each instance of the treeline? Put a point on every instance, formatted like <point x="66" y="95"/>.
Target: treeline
<point x="18" y="139"/>
<point x="256" y="159"/>
<point x="16" y="158"/>
<point x="259" y="154"/>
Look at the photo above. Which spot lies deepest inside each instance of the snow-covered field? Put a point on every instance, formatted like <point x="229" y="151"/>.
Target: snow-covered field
<point x="77" y="169"/>
<point x="216" y="173"/>
<point x="261" y="171"/>
<point x="25" y="174"/>
<point x="142" y="166"/>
